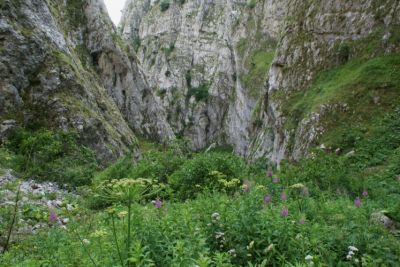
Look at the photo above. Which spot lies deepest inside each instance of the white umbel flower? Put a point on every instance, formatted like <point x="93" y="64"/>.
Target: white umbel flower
<point x="353" y="248"/>
<point x="309" y="258"/>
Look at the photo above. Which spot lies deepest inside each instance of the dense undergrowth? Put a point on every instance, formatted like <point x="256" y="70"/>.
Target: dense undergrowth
<point x="47" y="155"/>
<point x="177" y="208"/>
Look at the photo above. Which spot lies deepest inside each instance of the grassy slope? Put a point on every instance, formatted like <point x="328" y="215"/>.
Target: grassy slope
<point x="367" y="88"/>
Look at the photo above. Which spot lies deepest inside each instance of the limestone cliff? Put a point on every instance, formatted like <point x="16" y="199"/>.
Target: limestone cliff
<point x="208" y="61"/>
<point x="271" y="78"/>
<point x="298" y="110"/>
<point x="211" y="62"/>
<point x="60" y="62"/>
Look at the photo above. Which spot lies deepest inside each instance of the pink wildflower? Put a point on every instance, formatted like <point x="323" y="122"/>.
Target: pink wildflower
<point x="267" y="199"/>
<point x="53" y="217"/>
<point x="283" y="196"/>
<point x="157" y="203"/>
<point x="285" y="212"/>
<point x="357" y="202"/>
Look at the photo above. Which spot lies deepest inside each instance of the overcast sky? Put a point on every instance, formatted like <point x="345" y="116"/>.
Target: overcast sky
<point x="114" y="9"/>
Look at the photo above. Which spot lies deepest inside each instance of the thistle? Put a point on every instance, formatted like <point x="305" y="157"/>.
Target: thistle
<point x="267" y="199"/>
<point x="285" y="212"/>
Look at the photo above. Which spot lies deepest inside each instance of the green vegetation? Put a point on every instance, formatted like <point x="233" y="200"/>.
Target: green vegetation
<point x="209" y="171"/>
<point x="174" y="207"/>
<point x="180" y="2"/>
<point x="200" y="93"/>
<point x="164" y="5"/>
<point x="168" y="50"/>
<point x="136" y="43"/>
<point x="211" y="209"/>
<point x="75" y="12"/>
<point x="252" y="4"/>
<point x="256" y="63"/>
<point x="367" y="88"/>
<point x="257" y="66"/>
<point x="47" y="155"/>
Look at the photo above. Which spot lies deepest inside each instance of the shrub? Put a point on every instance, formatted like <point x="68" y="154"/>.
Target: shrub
<point x="52" y="156"/>
<point x="200" y="93"/>
<point x="155" y="165"/>
<point x="164" y="5"/>
<point x="136" y="43"/>
<point x="203" y="172"/>
<point x="252" y="4"/>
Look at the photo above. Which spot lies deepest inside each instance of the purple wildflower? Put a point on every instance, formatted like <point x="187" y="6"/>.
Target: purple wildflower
<point x="53" y="217"/>
<point x="267" y="199"/>
<point x="158" y="203"/>
<point x="275" y="180"/>
<point x="302" y="221"/>
<point x="365" y="193"/>
<point x="357" y="202"/>
<point x="285" y="212"/>
<point x="283" y="196"/>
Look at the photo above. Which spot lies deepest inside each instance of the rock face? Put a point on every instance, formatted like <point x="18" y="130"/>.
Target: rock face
<point x="117" y="66"/>
<point x="216" y="72"/>
<point x="210" y="62"/>
<point x="60" y="62"/>
<point x="207" y="61"/>
<point x="318" y="36"/>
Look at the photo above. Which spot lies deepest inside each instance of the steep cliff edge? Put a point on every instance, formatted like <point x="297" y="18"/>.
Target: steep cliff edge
<point x="270" y="78"/>
<point x="208" y="61"/>
<point x="334" y="68"/>
<point x="60" y="63"/>
<point x="335" y="71"/>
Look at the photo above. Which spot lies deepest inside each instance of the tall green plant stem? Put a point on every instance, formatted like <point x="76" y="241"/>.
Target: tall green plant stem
<point x="128" y="243"/>
<point x="116" y="240"/>
<point x="12" y="223"/>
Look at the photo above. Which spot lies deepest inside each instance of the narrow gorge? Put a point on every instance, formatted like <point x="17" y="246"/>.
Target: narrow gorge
<point x="200" y="133"/>
<point x="228" y="73"/>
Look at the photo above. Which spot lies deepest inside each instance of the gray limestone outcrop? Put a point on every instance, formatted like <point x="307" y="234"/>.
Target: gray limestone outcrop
<point x="60" y="62"/>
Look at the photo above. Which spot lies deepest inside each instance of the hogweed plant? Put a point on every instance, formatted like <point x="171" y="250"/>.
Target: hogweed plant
<point x="124" y="192"/>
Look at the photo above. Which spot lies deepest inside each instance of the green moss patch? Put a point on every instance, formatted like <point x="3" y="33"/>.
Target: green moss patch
<point x="257" y="66"/>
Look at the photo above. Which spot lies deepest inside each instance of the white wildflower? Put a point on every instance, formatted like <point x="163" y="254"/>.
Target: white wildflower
<point x="219" y="235"/>
<point x="251" y="245"/>
<point x="352" y="248"/>
<point x="309" y="258"/>
<point x="269" y="248"/>
<point x="232" y="251"/>
<point x="215" y="216"/>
